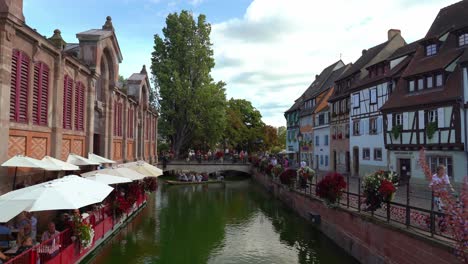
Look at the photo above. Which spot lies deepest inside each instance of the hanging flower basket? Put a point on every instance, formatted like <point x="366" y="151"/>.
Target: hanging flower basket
<point x="379" y="187"/>
<point x="331" y="188"/>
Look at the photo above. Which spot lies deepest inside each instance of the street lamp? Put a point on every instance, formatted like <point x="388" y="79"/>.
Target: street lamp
<point x="299" y="140"/>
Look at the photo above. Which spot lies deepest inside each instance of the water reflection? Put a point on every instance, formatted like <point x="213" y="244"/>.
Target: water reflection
<point x="236" y="223"/>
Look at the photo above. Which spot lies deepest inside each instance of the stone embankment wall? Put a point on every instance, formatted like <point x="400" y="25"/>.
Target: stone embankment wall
<point x="367" y="239"/>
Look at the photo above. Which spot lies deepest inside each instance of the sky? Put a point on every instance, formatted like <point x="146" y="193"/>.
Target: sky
<point x="267" y="51"/>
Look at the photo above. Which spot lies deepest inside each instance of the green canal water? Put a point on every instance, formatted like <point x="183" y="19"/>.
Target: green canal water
<point x="237" y="223"/>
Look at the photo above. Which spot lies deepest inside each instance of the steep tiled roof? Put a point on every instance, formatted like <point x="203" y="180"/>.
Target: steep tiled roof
<point x="367" y="56"/>
<point x="405" y="50"/>
<point x="423" y="64"/>
<point x="450" y="18"/>
<point x="318" y="85"/>
<point x="295" y="106"/>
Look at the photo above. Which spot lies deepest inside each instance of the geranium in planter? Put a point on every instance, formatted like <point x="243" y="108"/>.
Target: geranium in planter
<point x="331" y="188"/>
<point x="379" y="187"/>
<point x="83" y="231"/>
<point x="288" y="176"/>
<point x="150" y="184"/>
<point x="277" y="170"/>
<point x="305" y="174"/>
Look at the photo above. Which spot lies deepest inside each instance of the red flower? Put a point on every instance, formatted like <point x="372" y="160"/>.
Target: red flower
<point x="287" y="175"/>
<point x="331" y="187"/>
<point x="386" y="189"/>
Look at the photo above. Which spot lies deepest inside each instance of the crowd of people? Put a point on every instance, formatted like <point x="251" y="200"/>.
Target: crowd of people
<point x="192" y="177"/>
<point x="215" y="155"/>
<point x="21" y="234"/>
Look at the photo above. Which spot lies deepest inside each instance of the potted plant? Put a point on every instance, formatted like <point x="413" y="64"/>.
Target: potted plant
<point x="277" y="170"/>
<point x="83" y="231"/>
<point x="305" y="174"/>
<point x="331" y="188"/>
<point x="379" y="187"/>
<point x="288" y="177"/>
<point x="431" y="129"/>
<point x="396" y="131"/>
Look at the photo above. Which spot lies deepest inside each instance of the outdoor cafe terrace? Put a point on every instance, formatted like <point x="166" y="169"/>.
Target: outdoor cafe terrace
<point x="89" y="208"/>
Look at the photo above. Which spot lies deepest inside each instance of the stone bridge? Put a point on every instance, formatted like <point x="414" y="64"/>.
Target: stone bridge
<point x="207" y="167"/>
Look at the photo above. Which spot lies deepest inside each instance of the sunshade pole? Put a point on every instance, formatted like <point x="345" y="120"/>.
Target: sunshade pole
<point x="14" y="179"/>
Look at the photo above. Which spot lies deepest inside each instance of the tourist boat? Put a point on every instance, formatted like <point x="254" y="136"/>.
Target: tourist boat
<point x="191" y="183"/>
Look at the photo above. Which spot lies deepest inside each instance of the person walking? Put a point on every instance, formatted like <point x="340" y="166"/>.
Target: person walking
<point x="440" y="182"/>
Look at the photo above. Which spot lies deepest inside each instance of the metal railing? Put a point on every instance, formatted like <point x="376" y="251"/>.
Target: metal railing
<point x="426" y="221"/>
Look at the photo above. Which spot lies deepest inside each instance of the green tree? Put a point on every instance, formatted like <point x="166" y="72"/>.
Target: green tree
<point x="192" y="105"/>
<point x="282" y="137"/>
<point x="244" y="126"/>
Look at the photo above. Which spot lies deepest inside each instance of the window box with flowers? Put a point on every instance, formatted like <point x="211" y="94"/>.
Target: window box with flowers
<point x="305" y="174"/>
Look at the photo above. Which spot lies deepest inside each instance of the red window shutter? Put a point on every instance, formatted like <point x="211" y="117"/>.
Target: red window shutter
<point x="14" y="85"/>
<point x="19" y="87"/>
<point x="40" y="94"/>
<point x="67" y="102"/>
<point x="79" y="106"/>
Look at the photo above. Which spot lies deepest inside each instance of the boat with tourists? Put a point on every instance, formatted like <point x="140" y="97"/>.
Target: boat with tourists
<point x="192" y="183"/>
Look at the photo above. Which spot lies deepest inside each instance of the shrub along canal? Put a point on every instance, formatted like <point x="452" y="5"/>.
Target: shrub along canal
<point x="238" y="222"/>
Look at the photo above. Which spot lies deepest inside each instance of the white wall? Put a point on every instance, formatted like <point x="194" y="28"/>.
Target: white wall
<point x="322" y="150"/>
<point x="459" y="159"/>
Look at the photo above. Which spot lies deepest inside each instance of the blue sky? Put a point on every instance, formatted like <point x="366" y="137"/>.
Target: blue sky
<point x="267" y="51"/>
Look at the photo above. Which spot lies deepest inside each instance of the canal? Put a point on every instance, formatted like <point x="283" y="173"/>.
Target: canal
<point x="236" y="223"/>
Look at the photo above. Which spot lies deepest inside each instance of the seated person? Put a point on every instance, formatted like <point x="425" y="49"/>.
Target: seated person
<point x="50" y="233"/>
<point x="184" y="178"/>
<point x="33" y="223"/>
<point x="199" y="178"/>
<point x="3" y="258"/>
<point x="24" y="233"/>
<point x="193" y="178"/>
<point x="5" y="236"/>
<point x="204" y="177"/>
<point x="26" y="245"/>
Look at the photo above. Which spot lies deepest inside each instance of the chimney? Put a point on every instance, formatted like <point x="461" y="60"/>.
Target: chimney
<point x="12" y="9"/>
<point x="364" y="51"/>
<point x="393" y="32"/>
<point x="143" y="70"/>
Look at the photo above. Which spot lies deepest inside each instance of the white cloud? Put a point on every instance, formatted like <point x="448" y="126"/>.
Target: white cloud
<point x="271" y="54"/>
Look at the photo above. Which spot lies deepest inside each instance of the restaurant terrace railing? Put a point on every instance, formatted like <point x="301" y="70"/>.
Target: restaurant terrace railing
<point x="66" y="248"/>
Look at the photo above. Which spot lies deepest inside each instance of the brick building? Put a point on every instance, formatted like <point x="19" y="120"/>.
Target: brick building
<point x="58" y="98"/>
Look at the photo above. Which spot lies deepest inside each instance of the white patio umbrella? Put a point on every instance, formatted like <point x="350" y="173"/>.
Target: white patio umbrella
<point x="97" y="158"/>
<point x="119" y="172"/>
<point x="144" y="168"/>
<point x="64" y="166"/>
<point x="80" y="161"/>
<point x="69" y="192"/>
<point x="108" y="179"/>
<point x="27" y="162"/>
<point x="11" y="208"/>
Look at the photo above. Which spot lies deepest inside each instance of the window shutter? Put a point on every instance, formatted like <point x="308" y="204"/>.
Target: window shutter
<point x="115" y="118"/>
<point x="19" y="87"/>
<point x="79" y="106"/>
<point x="23" y="93"/>
<point x="389" y="122"/>
<point x="441" y="117"/>
<point x="67" y="102"/>
<point x="44" y="98"/>
<point x="362" y="127"/>
<point x="405" y="120"/>
<point x="379" y="125"/>
<point x="40" y="94"/>
<point x="14" y="85"/>
<point x="422" y="121"/>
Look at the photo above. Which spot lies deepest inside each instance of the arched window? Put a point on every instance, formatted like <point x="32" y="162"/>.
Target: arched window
<point x="117" y="119"/>
<point x="79" y="106"/>
<point x="67" y="102"/>
<point x="19" y="87"/>
<point x="40" y="94"/>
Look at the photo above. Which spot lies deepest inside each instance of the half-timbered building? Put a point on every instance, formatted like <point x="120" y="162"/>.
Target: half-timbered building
<point x="58" y="98"/>
<point x="427" y="107"/>
<point x="368" y="95"/>
<point x="292" y="116"/>
<point x="317" y="93"/>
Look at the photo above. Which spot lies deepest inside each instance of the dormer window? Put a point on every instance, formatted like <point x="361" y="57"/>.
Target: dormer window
<point x="431" y="49"/>
<point x="463" y="39"/>
<point x="411" y="86"/>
